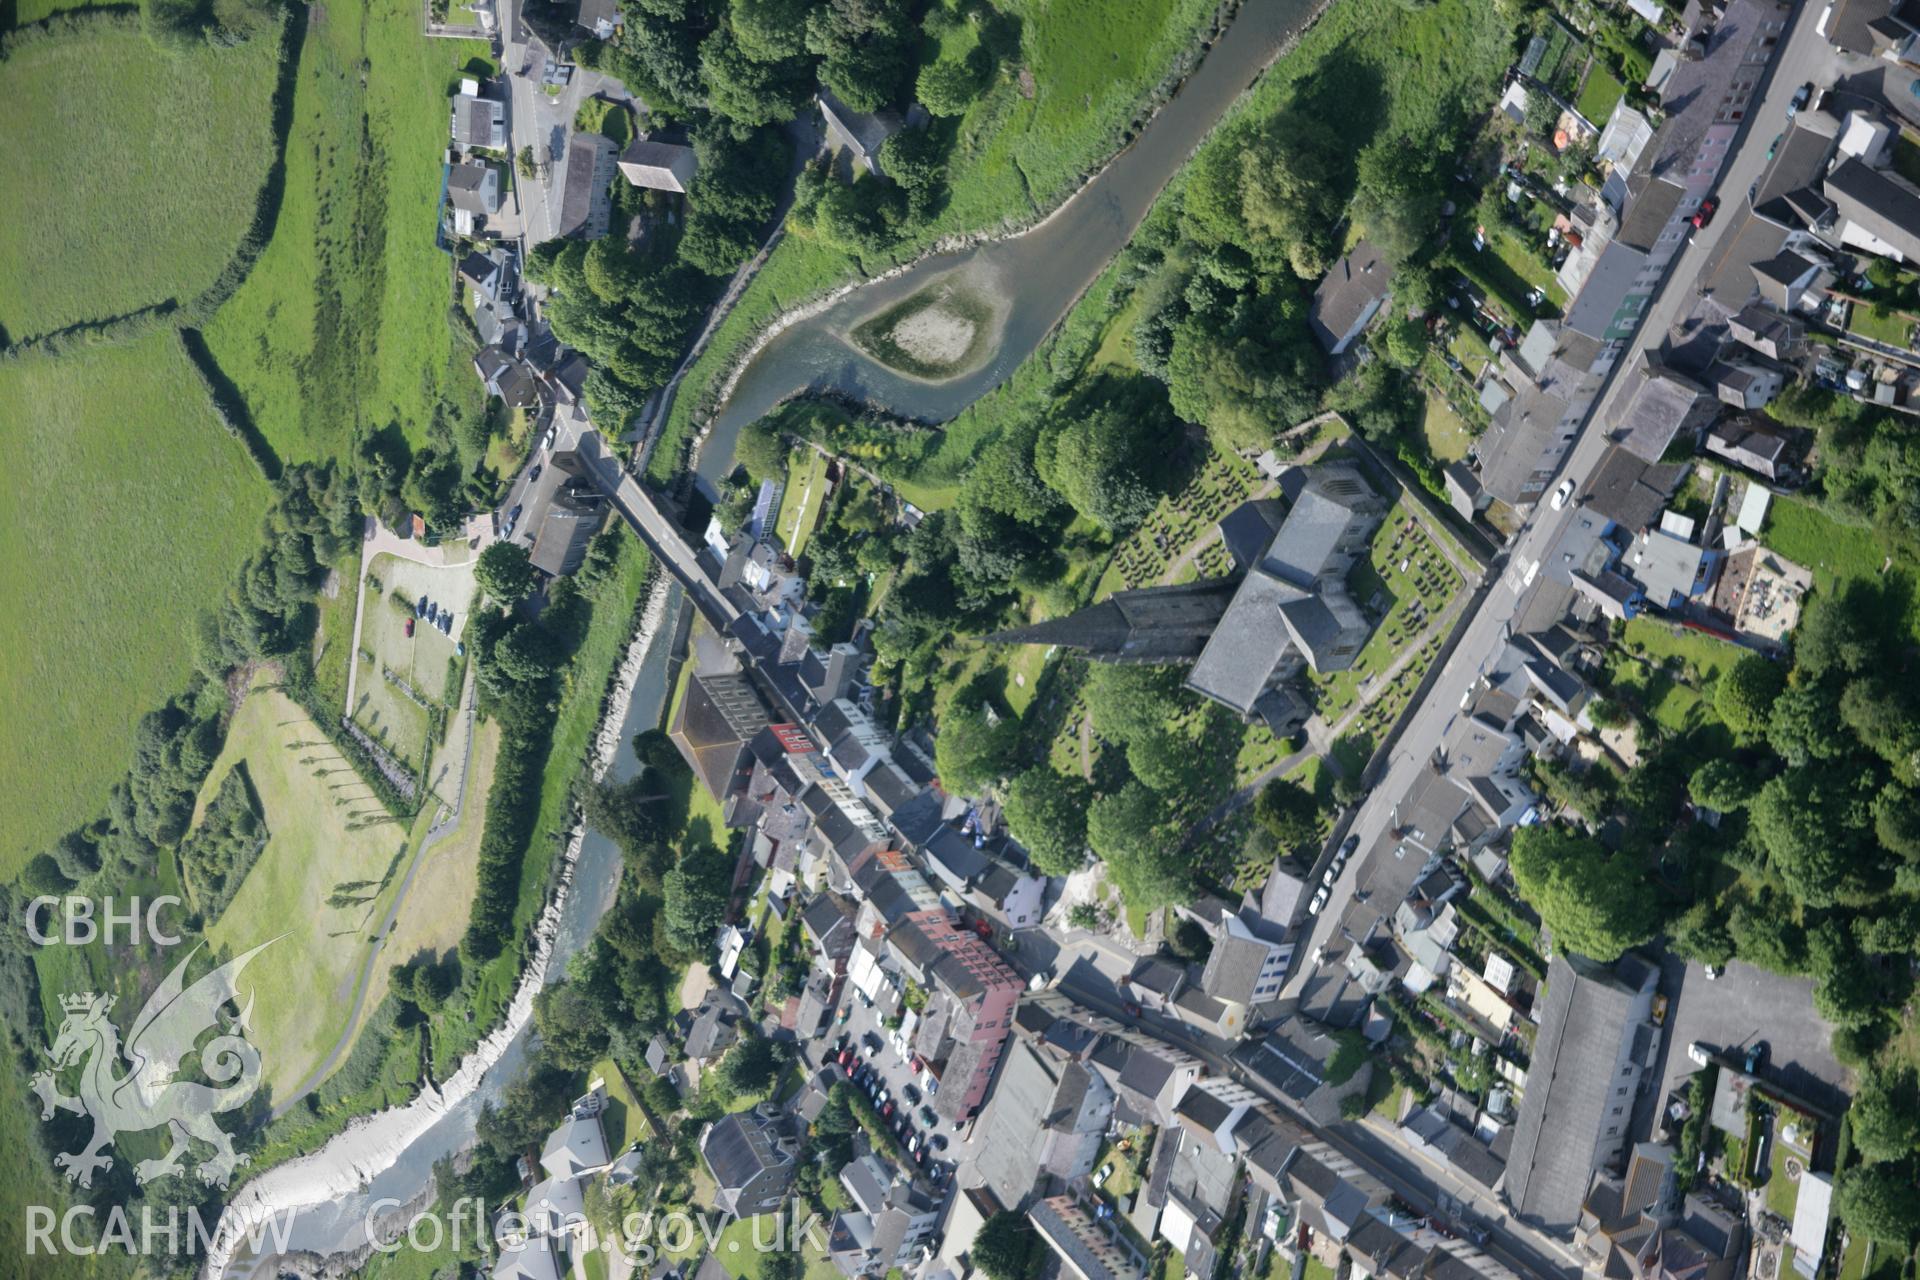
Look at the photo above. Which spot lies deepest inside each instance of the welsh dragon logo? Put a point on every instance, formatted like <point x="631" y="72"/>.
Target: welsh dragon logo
<point x="132" y="1089"/>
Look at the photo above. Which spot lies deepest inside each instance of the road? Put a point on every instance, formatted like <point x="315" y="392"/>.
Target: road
<point x="1803" y="55"/>
<point x="1511" y="1243"/>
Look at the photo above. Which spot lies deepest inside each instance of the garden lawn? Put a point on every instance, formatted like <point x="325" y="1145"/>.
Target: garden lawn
<point x="1600" y="95"/>
<point x="326" y="833"/>
<point x="1893" y="328"/>
<point x="1445" y="431"/>
<point x="345" y="320"/>
<point x="1834" y="551"/>
<point x="139" y="509"/>
<point x="1707" y="656"/>
<point x="133" y="172"/>
<point x="801" y="499"/>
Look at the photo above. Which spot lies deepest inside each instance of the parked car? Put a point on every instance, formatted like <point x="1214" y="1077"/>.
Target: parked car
<point x="910" y="1093"/>
<point x="886" y="1110"/>
<point x="1774" y="145"/>
<point x="1105" y="1172"/>
<point x="927" y="1117"/>
<point x="1801" y="97"/>
<point x="1348" y="845"/>
<point x="420" y="608"/>
<point x="513" y="518"/>
<point x="1704" y="214"/>
<point x="939" y="1141"/>
<point x="1318" y="901"/>
<point x="1561" y="494"/>
<point x="409" y="628"/>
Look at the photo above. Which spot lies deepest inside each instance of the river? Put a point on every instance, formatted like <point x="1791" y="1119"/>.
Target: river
<point x="335" y="1220"/>
<point x="1048" y="267"/>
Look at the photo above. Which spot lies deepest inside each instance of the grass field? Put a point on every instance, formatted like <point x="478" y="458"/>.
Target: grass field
<point x="1092" y="62"/>
<point x="96" y="227"/>
<point x="344" y="320"/>
<point x="318" y="812"/>
<point x="139" y="510"/>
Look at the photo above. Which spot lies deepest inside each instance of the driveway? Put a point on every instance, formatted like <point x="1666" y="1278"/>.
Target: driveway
<point x="1743" y="1005"/>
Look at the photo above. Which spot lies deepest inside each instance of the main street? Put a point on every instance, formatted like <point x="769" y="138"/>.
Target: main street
<point x="1804" y="54"/>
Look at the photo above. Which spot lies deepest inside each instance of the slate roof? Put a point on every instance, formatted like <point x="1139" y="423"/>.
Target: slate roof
<point x="467" y="187"/>
<point x="1630" y="491"/>
<point x="1881" y="201"/>
<point x="1606" y="289"/>
<point x="1293" y="1057"/>
<point x="574" y="1148"/>
<point x="1354" y="287"/>
<point x="1249" y="528"/>
<point x="1578" y="1044"/>
<point x="1233" y="968"/>
<point x="1150" y="624"/>
<point x="662" y="166"/>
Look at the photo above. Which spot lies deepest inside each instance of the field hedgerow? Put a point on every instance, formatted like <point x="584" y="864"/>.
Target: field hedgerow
<point x="130" y="511"/>
<point x="133" y="172"/>
<point x="344" y="320"/>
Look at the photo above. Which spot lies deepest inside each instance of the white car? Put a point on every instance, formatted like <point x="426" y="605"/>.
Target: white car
<point x="1561" y="494"/>
<point x="1319" y="901"/>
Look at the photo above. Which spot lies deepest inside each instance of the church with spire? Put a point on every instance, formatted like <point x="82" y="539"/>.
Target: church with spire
<point x="1247" y="638"/>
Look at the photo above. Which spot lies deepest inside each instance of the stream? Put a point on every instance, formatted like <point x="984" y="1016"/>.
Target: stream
<point x="327" y="1195"/>
<point x="1050" y="265"/>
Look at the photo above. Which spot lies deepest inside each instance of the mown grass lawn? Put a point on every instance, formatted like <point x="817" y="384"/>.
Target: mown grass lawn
<point x="132" y="175"/>
<point x="131" y="511"/>
<point x="327" y="833"/>
<point x="345" y="318"/>
<point x="1445" y="431"/>
<point x="1894" y="328"/>
<point x="1600" y="95"/>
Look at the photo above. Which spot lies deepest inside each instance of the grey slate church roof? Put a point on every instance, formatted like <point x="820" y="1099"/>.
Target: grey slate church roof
<point x="1548" y="1167"/>
<point x="1153" y="624"/>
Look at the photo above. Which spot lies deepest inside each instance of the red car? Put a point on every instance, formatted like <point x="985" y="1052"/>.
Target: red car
<point x="409" y="628"/>
<point x="1704" y="214"/>
<point x="846" y="1056"/>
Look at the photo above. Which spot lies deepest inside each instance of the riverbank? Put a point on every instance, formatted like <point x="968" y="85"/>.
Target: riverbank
<point x="1056" y="259"/>
<point x="373" y="1144"/>
<point x="1088" y="85"/>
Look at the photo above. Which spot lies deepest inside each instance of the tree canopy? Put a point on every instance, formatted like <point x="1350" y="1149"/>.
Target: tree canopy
<point x="1595" y="904"/>
<point x="1047" y="813"/>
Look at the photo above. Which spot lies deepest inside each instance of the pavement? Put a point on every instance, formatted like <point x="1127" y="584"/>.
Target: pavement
<point x="1733" y="1011"/>
<point x="1804" y="54"/>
